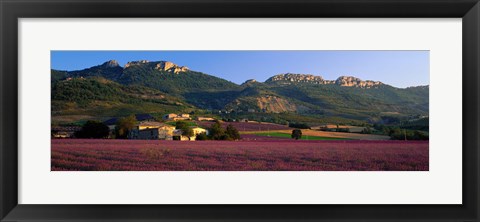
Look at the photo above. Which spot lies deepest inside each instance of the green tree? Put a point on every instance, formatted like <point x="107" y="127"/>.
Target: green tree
<point x="93" y="129"/>
<point x="232" y="132"/>
<point x="181" y="125"/>
<point x="186" y="130"/>
<point x="296" y="134"/>
<point x="124" y="125"/>
<point x="216" y="131"/>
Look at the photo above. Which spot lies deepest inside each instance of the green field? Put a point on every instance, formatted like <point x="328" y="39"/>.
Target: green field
<point x="304" y="137"/>
<point x="174" y="123"/>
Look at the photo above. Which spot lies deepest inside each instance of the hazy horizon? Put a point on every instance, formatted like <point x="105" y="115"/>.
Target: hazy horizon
<point x="397" y="68"/>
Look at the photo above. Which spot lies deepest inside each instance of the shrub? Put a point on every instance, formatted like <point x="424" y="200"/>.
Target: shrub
<point x="366" y="130"/>
<point x="296" y="134"/>
<point x="225" y="137"/>
<point x="402" y="134"/>
<point x="418" y="135"/>
<point x="232" y="132"/>
<point x="93" y="129"/>
<point x="201" y="136"/>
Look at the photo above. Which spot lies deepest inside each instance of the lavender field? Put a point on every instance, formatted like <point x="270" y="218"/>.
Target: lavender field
<point x="256" y="155"/>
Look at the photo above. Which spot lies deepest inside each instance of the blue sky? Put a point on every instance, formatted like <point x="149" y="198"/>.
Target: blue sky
<point x="396" y="68"/>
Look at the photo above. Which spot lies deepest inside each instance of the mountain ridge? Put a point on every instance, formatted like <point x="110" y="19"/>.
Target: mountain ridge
<point x="348" y="81"/>
<point x="346" y="97"/>
<point x="167" y="66"/>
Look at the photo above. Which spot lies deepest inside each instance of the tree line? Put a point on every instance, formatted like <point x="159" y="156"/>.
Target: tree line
<point x="98" y="130"/>
<point x="216" y="132"/>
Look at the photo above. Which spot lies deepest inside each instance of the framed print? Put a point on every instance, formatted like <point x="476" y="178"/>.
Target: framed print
<point x="225" y="110"/>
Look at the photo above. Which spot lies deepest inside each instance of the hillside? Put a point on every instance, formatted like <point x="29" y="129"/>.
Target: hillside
<point x="170" y="78"/>
<point x="346" y="97"/>
<point x="99" y="98"/>
<point x="161" y="87"/>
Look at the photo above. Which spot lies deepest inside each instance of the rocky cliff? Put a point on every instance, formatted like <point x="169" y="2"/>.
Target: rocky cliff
<point x="135" y="63"/>
<point x="347" y="81"/>
<point x="170" y="67"/>
<point x="290" y="77"/>
<point x="351" y="81"/>
<point x="160" y="66"/>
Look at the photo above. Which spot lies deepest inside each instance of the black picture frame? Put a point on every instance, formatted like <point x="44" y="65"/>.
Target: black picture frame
<point x="11" y="11"/>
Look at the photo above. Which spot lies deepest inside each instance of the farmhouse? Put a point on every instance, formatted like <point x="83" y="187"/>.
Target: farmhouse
<point x="61" y="135"/>
<point x="150" y="130"/>
<point x="150" y="125"/>
<point x="169" y="116"/>
<point x="185" y="115"/>
<point x="198" y="130"/>
<point x="175" y="117"/>
<point x="150" y="134"/>
<point x="60" y="132"/>
<point x="205" y="119"/>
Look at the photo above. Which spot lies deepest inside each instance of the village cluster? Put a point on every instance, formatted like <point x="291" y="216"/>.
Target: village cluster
<point x="147" y="128"/>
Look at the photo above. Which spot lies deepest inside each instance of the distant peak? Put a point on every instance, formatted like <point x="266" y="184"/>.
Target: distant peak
<point x="170" y="67"/>
<point x="111" y="63"/>
<point x="250" y="81"/>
